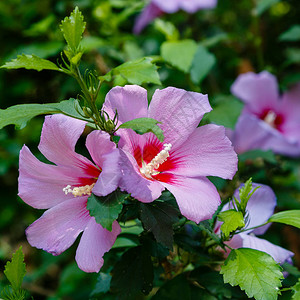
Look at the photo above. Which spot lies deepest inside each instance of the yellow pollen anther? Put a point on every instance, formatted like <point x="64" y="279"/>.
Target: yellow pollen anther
<point x="148" y="170"/>
<point x="79" y="191"/>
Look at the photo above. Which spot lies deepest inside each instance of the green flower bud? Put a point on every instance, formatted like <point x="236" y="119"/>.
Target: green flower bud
<point x="109" y="126"/>
<point x="87" y="112"/>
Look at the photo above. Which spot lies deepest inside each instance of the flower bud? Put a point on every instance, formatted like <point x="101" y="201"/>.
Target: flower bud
<point x="109" y="126"/>
<point x="87" y="112"/>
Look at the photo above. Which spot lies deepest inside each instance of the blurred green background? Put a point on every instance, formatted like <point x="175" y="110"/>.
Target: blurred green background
<point x="242" y="35"/>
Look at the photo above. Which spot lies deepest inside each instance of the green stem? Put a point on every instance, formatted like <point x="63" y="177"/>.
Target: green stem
<point x="285" y="289"/>
<point x="210" y="243"/>
<point x="82" y="84"/>
<point x="251" y="228"/>
<point x="89" y="98"/>
<point x="228" y="247"/>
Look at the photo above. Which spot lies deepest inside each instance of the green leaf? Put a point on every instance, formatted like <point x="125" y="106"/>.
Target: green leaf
<point x="206" y="226"/>
<point x="177" y="288"/>
<point x="179" y="54"/>
<point x="138" y="71"/>
<point x="254" y="271"/>
<point x="159" y="217"/>
<point x="89" y="43"/>
<point x="144" y="125"/>
<point x="73" y="282"/>
<point x="123" y="242"/>
<point x="200" y="293"/>
<point x="245" y="193"/>
<point x="263" y="5"/>
<point x="40" y="49"/>
<point x="15" y="270"/>
<point x="213" y="282"/>
<point x="214" y="40"/>
<point x="107" y="77"/>
<point x="72" y="28"/>
<point x="291" y="35"/>
<point x="133" y="274"/>
<point x="132" y="227"/>
<point x="106" y="209"/>
<point x="232" y="219"/>
<point x="290" y="79"/>
<point x="155" y="249"/>
<point x="41" y="27"/>
<point x="293" y="56"/>
<point x="19" y="115"/>
<point x="268" y="155"/>
<point x="226" y="112"/>
<point x="31" y="62"/>
<point x="292" y="270"/>
<point x="167" y="29"/>
<point x="133" y="50"/>
<point x="102" y="284"/>
<point x="245" y="190"/>
<point x="202" y="63"/>
<point x="8" y="294"/>
<point x="289" y="217"/>
<point x="296" y="290"/>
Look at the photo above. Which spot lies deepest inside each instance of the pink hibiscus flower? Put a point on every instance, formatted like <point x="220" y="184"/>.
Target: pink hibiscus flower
<point x="269" y="121"/>
<point x="260" y="208"/>
<point x="157" y="7"/>
<point x="63" y="189"/>
<point x="183" y="161"/>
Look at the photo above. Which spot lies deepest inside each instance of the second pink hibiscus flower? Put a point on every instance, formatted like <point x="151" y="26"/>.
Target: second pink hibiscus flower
<point x="157" y="7"/>
<point x="269" y="121"/>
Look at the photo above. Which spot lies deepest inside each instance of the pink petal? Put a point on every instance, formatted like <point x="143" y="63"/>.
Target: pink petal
<point x="250" y="133"/>
<point x="105" y="155"/>
<point x="229" y="133"/>
<point x="207" y="152"/>
<point x="130" y="102"/>
<point x="260" y="207"/>
<point x="143" y="189"/>
<point x="41" y="185"/>
<point x="109" y="178"/>
<point x="279" y="254"/>
<point x="59" y="136"/>
<point x="179" y="111"/>
<point x="158" y="7"/>
<point x="253" y="133"/>
<point x="168" y="6"/>
<point x="95" y="241"/>
<point x="290" y="108"/>
<point x="235" y="243"/>
<point x="291" y="103"/>
<point x="99" y="144"/>
<point x="195" y="5"/>
<point x="150" y="12"/>
<point x="197" y="198"/>
<point x="57" y="229"/>
<point x="258" y="91"/>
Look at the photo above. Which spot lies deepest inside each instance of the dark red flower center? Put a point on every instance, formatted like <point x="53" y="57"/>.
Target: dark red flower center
<point x="155" y="159"/>
<point x="85" y="184"/>
<point x="272" y="118"/>
<point x="92" y="173"/>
